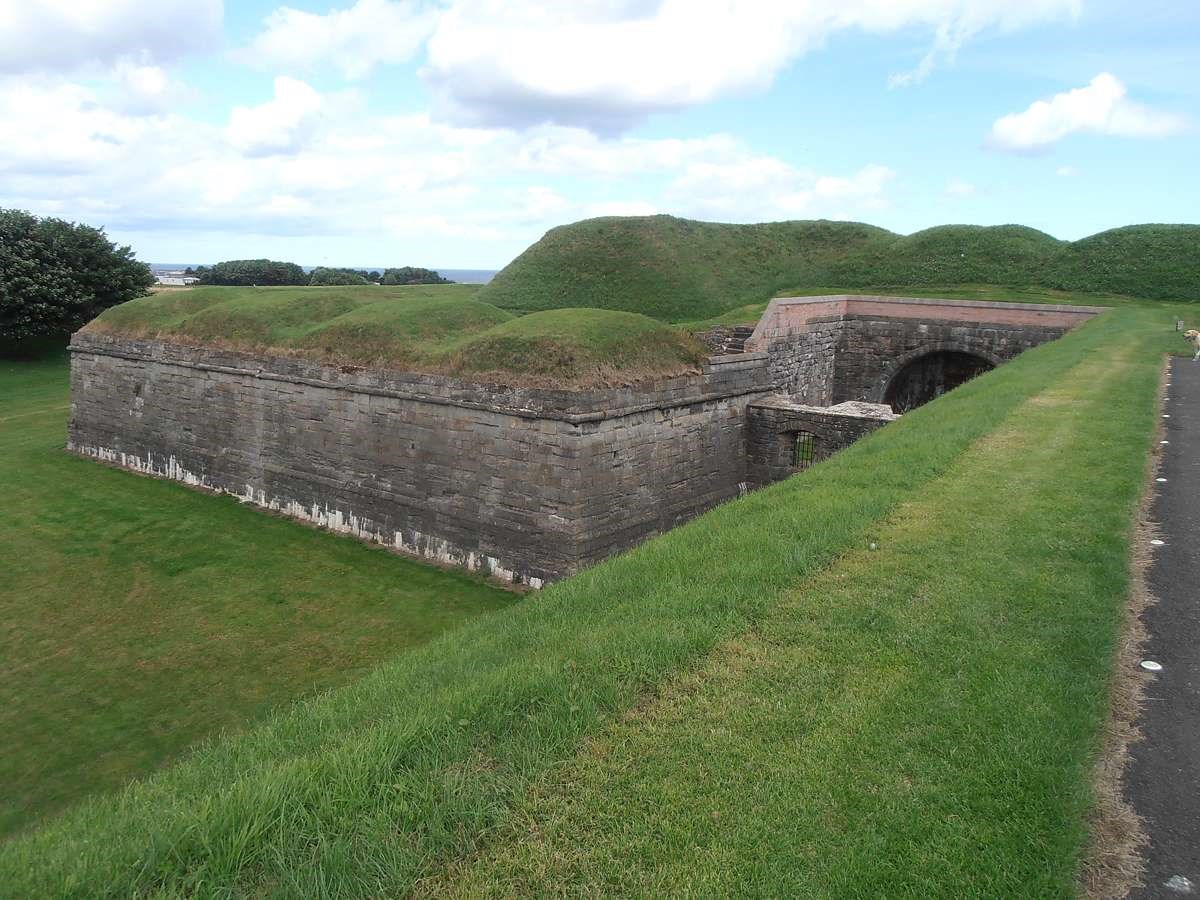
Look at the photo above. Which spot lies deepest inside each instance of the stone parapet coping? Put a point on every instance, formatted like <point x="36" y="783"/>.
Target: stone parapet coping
<point x="856" y="409"/>
<point x="787" y="315"/>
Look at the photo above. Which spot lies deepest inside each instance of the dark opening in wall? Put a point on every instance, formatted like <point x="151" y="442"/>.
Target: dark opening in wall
<point x="928" y="377"/>
<point x="804" y="449"/>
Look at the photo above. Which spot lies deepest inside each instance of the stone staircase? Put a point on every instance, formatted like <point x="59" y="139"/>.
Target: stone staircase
<point x="724" y="340"/>
<point x="737" y="340"/>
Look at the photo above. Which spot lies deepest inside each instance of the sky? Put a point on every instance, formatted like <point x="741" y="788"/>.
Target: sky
<point x="454" y="133"/>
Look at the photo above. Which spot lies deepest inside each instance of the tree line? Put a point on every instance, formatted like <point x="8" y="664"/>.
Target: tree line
<point x="56" y="276"/>
<point x="269" y="272"/>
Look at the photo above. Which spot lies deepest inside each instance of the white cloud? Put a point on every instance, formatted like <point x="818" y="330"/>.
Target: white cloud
<point x="954" y="24"/>
<point x="146" y="90"/>
<point x="1102" y="107"/>
<point x="281" y="125"/>
<point x="541" y="203"/>
<point x="308" y="166"/>
<point x="605" y="64"/>
<point x="762" y="188"/>
<point x="957" y="187"/>
<point x="62" y="128"/>
<point x="1065" y="171"/>
<point x="144" y="81"/>
<point x="71" y="34"/>
<point x="568" y="149"/>
<point x="354" y="40"/>
<point x="620" y="208"/>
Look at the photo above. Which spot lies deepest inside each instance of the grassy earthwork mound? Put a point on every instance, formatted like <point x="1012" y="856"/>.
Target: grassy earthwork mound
<point x="680" y="270"/>
<point x="668" y="268"/>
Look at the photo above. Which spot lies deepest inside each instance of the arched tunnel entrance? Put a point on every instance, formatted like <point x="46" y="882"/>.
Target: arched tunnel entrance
<point x="928" y="377"/>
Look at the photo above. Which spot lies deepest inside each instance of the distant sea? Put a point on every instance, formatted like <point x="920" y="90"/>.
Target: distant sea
<point x="462" y="276"/>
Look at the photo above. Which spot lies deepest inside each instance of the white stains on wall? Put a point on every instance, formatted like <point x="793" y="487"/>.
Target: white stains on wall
<point x="414" y="543"/>
<point x="169" y="469"/>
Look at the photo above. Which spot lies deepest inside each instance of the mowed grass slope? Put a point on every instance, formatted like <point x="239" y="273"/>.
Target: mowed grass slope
<point x="873" y="752"/>
<point x="680" y="270"/>
<point x="916" y="720"/>
<point x="140" y="617"/>
<point x="434" y="328"/>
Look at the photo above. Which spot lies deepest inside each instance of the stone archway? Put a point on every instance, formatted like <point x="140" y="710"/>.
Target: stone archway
<point x="927" y="374"/>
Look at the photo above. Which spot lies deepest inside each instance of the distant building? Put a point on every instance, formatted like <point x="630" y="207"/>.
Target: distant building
<point x="175" y="279"/>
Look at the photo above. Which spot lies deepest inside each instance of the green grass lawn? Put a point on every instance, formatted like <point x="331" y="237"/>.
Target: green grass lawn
<point x="754" y="702"/>
<point x="140" y="617"/>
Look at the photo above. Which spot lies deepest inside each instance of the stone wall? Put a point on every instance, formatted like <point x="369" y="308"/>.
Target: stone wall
<point x="527" y="485"/>
<point x="775" y="422"/>
<point x="802" y="347"/>
<point x="827" y="350"/>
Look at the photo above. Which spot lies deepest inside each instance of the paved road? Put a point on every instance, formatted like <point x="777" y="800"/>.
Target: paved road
<point x="1163" y="781"/>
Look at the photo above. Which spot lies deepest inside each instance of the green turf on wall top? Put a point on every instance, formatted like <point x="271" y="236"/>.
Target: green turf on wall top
<point x="429" y="328"/>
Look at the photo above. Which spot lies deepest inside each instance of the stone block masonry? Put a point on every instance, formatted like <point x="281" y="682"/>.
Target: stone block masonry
<point x="524" y="485"/>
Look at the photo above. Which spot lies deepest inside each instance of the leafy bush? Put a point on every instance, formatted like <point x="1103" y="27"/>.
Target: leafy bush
<point x="411" y="275"/>
<point x="249" y="272"/>
<point x="55" y="276"/>
<point x="323" y="276"/>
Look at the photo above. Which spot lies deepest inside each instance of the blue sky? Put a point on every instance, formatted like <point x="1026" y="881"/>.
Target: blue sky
<point x="455" y="132"/>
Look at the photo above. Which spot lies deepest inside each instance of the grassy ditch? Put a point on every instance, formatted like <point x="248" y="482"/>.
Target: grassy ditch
<point x="140" y="617"/>
<point x="372" y="787"/>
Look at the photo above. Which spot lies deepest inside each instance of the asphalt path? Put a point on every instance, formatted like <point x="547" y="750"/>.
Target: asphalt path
<point x="1163" y="779"/>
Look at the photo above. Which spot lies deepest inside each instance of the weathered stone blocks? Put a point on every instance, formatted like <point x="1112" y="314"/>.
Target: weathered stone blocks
<point x="527" y="485"/>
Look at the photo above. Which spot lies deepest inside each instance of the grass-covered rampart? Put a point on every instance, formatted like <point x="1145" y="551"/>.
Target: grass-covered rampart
<point x="936" y="702"/>
<point x="680" y="270"/>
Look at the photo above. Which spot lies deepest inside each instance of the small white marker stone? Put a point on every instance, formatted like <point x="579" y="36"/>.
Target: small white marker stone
<point x="1157" y="543"/>
<point x="1166" y="415"/>
<point x="1161" y="480"/>
<point x="1179" y="884"/>
<point x="1164" y="442"/>
<point x="1151" y="665"/>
